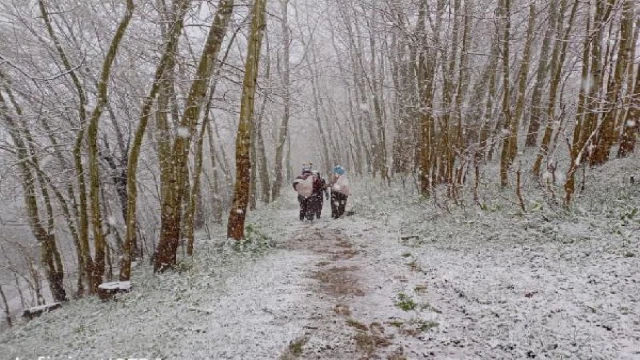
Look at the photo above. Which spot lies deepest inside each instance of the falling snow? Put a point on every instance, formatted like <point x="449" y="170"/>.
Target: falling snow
<point x="183" y="132"/>
<point x="475" y="269"/>
<point x="586" y="83"/>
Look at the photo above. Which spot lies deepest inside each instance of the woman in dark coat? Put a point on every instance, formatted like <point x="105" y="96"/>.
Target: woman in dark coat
<point x="310" y="205"/>
<point x="319" y="189"/>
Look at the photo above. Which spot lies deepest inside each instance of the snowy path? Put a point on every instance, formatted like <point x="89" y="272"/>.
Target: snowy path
<point x="472" y="289"/>
<point x="326" y="292"/>
<point x="362" y="288"/>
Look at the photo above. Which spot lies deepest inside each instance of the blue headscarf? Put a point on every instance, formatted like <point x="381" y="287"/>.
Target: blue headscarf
<point x="339" y="170"/>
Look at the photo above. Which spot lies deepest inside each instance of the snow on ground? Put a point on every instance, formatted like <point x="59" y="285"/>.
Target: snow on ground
<point x="226" y="304"/>
<point x="400" y="279"/>
<point x="545" y="284"/>
<point x="509" y="293"/>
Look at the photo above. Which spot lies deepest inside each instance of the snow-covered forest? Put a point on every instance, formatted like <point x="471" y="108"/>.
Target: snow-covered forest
<point x="150" y="146"/>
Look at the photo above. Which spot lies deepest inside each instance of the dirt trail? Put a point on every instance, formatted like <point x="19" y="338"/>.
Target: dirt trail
<point x="329" y="290"/>
<point x="344" y="278"/>
<point x="375" y="292"/>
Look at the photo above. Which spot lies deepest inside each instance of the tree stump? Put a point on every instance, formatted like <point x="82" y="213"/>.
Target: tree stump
<point x="107" y="290"/>
<point x="38" y="310"/>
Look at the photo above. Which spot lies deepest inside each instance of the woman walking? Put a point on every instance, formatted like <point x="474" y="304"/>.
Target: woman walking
<point x="339" y="191"/>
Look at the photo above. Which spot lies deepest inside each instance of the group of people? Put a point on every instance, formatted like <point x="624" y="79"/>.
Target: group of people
<point x="312" y="189"/>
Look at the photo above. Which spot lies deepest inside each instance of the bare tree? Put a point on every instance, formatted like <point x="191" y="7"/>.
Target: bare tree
<point x="165" y="255"/>
<point x="45" y="235"/>
<point x="558" y="57"/>
<point x="132" y="168"/>
<point x="510" y="143"/>
<point x="607" y="133"/>
<point x="628" y="139"/>
<point x="92" y="139"/>
<point x="237" y="215"/>
<point x="537" y="108"/>
<point x="284" y="125"/>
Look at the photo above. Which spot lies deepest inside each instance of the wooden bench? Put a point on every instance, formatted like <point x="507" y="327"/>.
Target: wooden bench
<point x="107" y="290"/>
<point x="38" y="310"/>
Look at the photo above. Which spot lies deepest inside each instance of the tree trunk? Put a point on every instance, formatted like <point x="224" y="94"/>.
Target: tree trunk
<point x="134" y="154"/>
<point x="260" y="152"/>
<point x="628" y="139"/>
<point x="50" y="256"/>
<point x="541" y="76"/>
<point x="284" y="125"/>
<point x="253" y="194"/>
<point x="509" y="144"/>
<point x="427" y="59"/>
<point x="235" y="229"/>
<point x="630" y="81"/>
<point x="92" y="138"/>
<point x="358" y="90"/>
<point x="317" y="100"/>
<point x="265" y="185"/>
<point x="607" y="133"/>
<point x="464" y="76"/>
<point x="594" y="102"/>
<point x="195" y="188"/>
<point x="381" y="145"/>
<point x="44" y="180"/>
<point x="523" y="73"/>
<point x="424" y="89"/>
<point x="580" y="138"/>
<point x="86" y="263"/>
<point x="217" y="201"/>
<point x="166" y="253"/>
<point x="557" y="63"/>
<point x="484" y="148"/>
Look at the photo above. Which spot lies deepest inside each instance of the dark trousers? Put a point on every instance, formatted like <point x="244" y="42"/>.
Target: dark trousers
<point x="338" y="204"/>
<point x="310" y="207"/>
<point x="304" y="206"/>
<point x="317" y="200"/>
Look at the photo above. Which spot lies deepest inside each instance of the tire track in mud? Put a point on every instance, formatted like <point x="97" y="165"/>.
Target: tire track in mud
<point x="335" y="334"/>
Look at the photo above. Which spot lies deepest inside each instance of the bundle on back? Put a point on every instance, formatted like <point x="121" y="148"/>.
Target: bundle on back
<point x="305" y="187"/>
